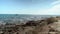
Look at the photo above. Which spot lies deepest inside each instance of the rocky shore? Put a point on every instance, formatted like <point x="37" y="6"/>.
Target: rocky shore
<point x="45" y="26"/>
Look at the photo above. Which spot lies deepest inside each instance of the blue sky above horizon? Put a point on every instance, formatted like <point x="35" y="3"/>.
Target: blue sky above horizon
<point x="43" y="7"/>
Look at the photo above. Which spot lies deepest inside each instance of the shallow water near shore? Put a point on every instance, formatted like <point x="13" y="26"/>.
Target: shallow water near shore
<point x="34" y="24"/>
<point x="21" y="17"/>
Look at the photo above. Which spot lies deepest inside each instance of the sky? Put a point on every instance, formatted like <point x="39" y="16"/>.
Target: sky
<point x="38" y="7"/>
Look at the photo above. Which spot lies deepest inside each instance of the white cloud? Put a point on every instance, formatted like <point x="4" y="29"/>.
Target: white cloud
<point x="54" y="10"/>
<point x="55" y="2"/>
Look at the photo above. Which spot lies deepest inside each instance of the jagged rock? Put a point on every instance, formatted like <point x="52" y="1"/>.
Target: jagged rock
<point x="31" y="23"/>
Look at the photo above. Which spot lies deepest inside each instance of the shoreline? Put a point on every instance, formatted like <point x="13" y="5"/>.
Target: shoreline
<point x="39" y="26"/>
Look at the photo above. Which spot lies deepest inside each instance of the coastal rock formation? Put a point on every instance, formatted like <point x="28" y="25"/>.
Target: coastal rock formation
<point x="31" y="23"/>
<point x="45" y="26"/>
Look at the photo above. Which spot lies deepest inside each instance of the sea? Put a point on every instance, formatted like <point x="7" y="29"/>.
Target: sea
<point x="21" y="18"/>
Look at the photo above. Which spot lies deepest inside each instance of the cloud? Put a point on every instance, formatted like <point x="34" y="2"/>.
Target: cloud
<point x="55" y="7"/>
<point x="54" y="10"/>
<point x="55" y="2"/>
